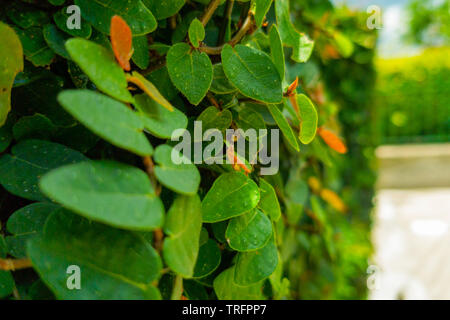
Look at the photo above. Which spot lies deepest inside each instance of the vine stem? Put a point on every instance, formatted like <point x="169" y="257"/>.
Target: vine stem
<point x="226" y="20"/>
<point x="14" y="264"/>
<point x="210" y="9"/>
<point x="177" y="288"/>
<point x="246" y="26"/>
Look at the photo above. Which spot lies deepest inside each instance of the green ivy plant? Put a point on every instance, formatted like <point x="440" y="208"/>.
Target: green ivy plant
<point x="86" y="168"/>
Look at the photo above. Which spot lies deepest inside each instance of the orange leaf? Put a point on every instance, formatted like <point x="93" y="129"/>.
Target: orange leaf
<point x="292" y="87"/>
<point x="334" y="200"/>
<point x="237" y="163"/>
<point x="121" y="41"/>
<point x="333" y="141"/>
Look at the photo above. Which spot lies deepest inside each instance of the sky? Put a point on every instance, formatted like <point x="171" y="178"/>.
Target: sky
<point x="395" y="24"/>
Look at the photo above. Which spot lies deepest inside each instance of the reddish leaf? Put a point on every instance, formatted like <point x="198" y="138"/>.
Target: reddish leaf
<point x="121" y="41"/>
<point x="333" y="141"/>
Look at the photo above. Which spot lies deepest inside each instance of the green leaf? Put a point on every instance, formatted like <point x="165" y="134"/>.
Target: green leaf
<point x="109" y="192"/>
<point x="55" y="40"/>
<point x="231" y="195"/>
<point x="300" y="43"/>
<point x="253" y="73"/>
<point x="276" y="50"/>
<point x="6" y="279"/>
<point x="35" y="48"/>
<point x="61" y="18"/>
<point x="226" y="289"/>
<point x="26" y="223"/>
<point x="190" y="71"/>
<point x="208" y="260"/>
<point x="141" y="55"/>
<point x="182" y="178"/>
<point x="108" y="118"/>
<point x="261" y="9"/>
<point x="344" y="45"/>
<point x="36" y="126"/>
<point x="114" y="264"/>
<point x="183" y="226"/>
<point x="196" y="33"/>
<point x="150" y="89"/>
<point x="212" y="118"/>
<point x="269" y="202"/>
<point x="249" y="232"/>
<point x="157" y="119"/>
<point x="11" y="63"/>
<point x="250" y="119"/>
<point x="161" y="79"/>
<point x="164" y="9"/>
<point x="101" y="67"/>
<point x="220" y="83"/>
<point x="254" y="266"/>
<point x="134" y="12"/>
<point x="283" y="125"/>
<point x="24" y="15"/>
<point x="30" y="159"/>
<point x="308" y="119"/>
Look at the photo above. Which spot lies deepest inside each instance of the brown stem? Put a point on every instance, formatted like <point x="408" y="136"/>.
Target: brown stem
<point x="226" y="20"/>
<point x="158" y="238"/>
<point x="14" y="264"/>
<point x="213" y="100"/>
<point x="248" y="23"/>
<point x="209" y="11"/>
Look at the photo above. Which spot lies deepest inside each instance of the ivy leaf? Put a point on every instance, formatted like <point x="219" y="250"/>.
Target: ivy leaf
<point x="25" y="224"/>
<point x="252" y="72"/>
<point x="114" y="264"/>
<point x="283" y="125"/>
<point x="276" y="50"/>
<point x="134" y="12"/>
<point x="190" y="71"/>
<point x="164" y="9"/>
<point x="110" y="192"/>
<point x="254" y="266"/>
<point x="231" y="195"/>
<point x="261" y="9"/>
<point x="182" y="178"/>
<point x="121" y="42"/>
<point x="107" y="118"/>
<point x="60" y="18"/>
<point x="183" y="226"/>
<point x="196" y="33"/>
<point x="220" y="83"/>
<point x="30" y="159"/>
<point x="208" y="260"/>
<point x="269" y="202"/>
<point x="302" y="46"/>
<point x="249" y="232"/>
<point x="101" y="67"/>
<point x="157" y="119"/>
<point x="11" y="63"/>
<point x="226" y="289"/>
<point x="308" y="119"/>
<point x="150" y="89"/>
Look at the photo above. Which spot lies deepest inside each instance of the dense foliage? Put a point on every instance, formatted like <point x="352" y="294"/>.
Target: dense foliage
<point x="412" y="97"/>
<point x="87" y="169"/>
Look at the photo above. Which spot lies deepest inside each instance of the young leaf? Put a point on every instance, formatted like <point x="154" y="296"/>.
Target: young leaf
<point x="121" y="41"/>
<point x="332" y="140"/>
<point x="108" y="118"/>
<point x="283" y="125"/>
<point x="109" y="192"/>
<point x="182" y="178"/>
<point x="252" y="72"/>
<point x="196" y="33"/>
<point x="114" y="264"/>
<point x="150" y="89"/>
<point x="20" y="172"/>
<point x="134" y="12"/>
<point x="254" y="266"/>
<point x="208" y="260"/>
<point x="231" y="195"/>
<point x="249" y="232"/>
<point x="183" y="225"/>
<point x="190" y="71"/>
<point x="157" y="119"/>
<point x="11" y="63"/>
<point x="101" y="67"/>
<point x="269" y="202"/>
<point x="308" y="119"/>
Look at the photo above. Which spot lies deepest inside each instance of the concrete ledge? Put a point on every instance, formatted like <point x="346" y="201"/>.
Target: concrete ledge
<point x="414" y="166"/>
